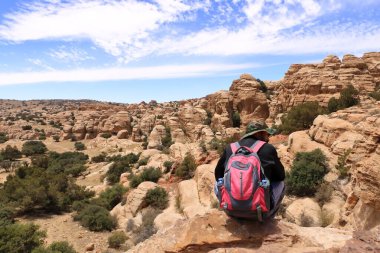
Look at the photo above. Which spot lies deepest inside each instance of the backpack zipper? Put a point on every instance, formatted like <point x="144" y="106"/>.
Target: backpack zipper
<point x="241" y="184"/>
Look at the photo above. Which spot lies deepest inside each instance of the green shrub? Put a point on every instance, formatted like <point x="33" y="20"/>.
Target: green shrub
<point x="20" y="238"/>
<point x="110" y="197"/>
<point x="341" y="166"/>
<point x="96" y="218"/>
<point x="157" y="198"/>
<point x="300" y="117"/>
<point x="187" y="168"/>
<point x="375" y="95"/>
<point x="143" y="161"/>
<point x="207" y="121"/>
<point x="56" y="247"/>
<point x="348" y="97"/>
<point x="79" y="146"/>
<point x="72" y="163"/>
<point x="236" y="121"/>
<point x="116" y="239"/>
<point x="167" y="140"/>
<point x="3" y="137"/>
<point x="106" y="135"/>
<point x="33" y="188"/>
<point x="148" y="174"/>
<point x="10" y="153"/>
<point x="217" y="144"/>
<point x="27" y="127"/>
<point x="306" y="173"/>
<point x="33" y="148"/>
<point x="263" y="86"/>
<point x="56" y="138"/>
<point x="333" y="105"/>
<point x="168" y="165"/>
<point x="121" y="164"/>
<point x="99" y="158"/>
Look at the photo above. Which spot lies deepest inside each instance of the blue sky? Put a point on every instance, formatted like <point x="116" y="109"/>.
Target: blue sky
<point x="130" y="50"/>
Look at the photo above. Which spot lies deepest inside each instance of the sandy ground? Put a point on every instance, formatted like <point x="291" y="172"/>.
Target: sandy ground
<point x="63" y="228"/>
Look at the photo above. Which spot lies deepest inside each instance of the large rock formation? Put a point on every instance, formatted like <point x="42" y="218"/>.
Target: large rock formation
<point x="216" y="232"/>
<point x="319" y="82"/>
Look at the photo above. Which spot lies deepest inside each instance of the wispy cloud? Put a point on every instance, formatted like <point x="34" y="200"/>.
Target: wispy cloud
<point x="40" y="63"/>
<point x="131" y="29"/>
<point x="70" y="54"/>
<point x="91" y="75"/>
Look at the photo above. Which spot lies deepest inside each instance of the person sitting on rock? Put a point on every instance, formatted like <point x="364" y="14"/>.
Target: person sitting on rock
<point x="257" y="133"/>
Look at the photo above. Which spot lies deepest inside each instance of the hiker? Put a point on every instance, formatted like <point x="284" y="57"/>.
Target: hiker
<point x="232" y="199"/>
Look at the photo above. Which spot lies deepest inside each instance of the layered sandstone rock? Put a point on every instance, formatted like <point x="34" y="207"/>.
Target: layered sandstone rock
<point x="216" y="232"/>
<point x="320" y="82"/>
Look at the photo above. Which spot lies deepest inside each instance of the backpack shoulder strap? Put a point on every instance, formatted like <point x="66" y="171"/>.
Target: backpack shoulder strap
<point x="234" y="147"/>
<point x="257" y="145"/>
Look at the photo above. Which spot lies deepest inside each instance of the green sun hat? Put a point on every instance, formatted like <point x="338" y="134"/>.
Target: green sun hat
<point x="258" y="126"/>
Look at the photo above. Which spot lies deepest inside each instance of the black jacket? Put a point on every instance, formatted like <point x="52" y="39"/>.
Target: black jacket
<point x="272" y="165"/>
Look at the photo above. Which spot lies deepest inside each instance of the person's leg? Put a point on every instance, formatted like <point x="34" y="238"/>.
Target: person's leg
<point x="278" y="192"/>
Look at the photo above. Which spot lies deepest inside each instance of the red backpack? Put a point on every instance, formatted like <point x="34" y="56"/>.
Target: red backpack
<point x="245" y="192"/>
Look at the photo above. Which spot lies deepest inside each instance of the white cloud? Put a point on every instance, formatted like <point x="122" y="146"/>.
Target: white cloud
<point x="131" y="29"/>
<point x="70" y="54"/>
<point x="40" y="63"/>
<point x="112" y="25"/>
<point x="91" y="75"/>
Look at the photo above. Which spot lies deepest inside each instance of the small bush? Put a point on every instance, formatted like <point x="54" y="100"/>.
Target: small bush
<point x="20" y="238"/>
<point x="207" y="121"/>
<point x="56" y="138"/>
<point x="106" y="135"/>
<point x="168" y="165"/>
<point x="306" y="173"/>
<point x="99" y="158"/>
<point x="167" y="140"/>
<point x="375" y="95"/>
<point x="27" y="127"/>
<point x="348" y="97"/>
<point x="3" y="137"/>
<point x="116" y="239"/>
<point x="300" y="117"/>
<point x="236" y="121"/>
<point x="33" y="148"/>
<point x="143" y="161"/>
<point x="121" y="164"/>
<point x="10" y="153"/>
<point x="187" y="168"/>
<point x="79" y="146"/>
<point x="111" y="196"/>
<point x="324" y="193"/>
<point x="157" y="198"/>
<point x="149" y="174"/>
<point x="96" y="218"/>
<point x="263" y="86"/>
<point x="341" y="166"/>
<point x="217" y="144"/>
<point x="56" y="247"/>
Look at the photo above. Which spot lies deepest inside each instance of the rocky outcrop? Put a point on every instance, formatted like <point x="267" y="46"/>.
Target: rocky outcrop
<point x="321" y="81"/>
<point x="216" y="232"/>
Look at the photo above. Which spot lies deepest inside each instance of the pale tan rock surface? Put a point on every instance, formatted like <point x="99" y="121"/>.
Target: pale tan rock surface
<point x="305" y="208"/>
<point x="215" y="231"/>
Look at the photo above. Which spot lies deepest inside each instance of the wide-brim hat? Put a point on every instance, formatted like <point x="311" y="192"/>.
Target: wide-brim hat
<point x="258" y="126"/>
